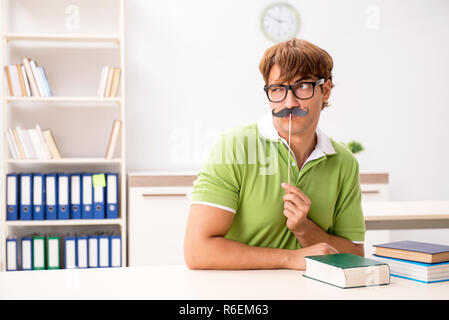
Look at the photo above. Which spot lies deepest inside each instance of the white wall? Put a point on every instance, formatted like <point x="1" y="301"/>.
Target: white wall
<point x="193" y="71"/>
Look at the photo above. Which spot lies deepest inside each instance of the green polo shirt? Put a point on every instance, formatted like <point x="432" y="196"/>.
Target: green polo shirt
<point x="244" y="172"/>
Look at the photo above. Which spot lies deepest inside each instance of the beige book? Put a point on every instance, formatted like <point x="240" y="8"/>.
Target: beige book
<point x="31" y="79"/>
<point x="115" y="83"/>
<point x="8" y="76"/>
<point x="107" y="88"/>
<point x="22" y="81"/>
<point x="19" y="144"/>
<point x="51" y="143"/>
<point x="113" y="139"/>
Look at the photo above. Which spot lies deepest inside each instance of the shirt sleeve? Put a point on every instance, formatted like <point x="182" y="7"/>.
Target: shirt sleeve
<point x="219" y="180"/>
<point x="349" y="222"/>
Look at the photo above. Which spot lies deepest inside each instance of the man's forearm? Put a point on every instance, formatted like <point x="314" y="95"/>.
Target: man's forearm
<point x="312" y="234"/>
<point x="222" y="253"/>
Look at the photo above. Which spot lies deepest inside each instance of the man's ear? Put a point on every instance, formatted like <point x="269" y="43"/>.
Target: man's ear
<point x="327" y="87"/>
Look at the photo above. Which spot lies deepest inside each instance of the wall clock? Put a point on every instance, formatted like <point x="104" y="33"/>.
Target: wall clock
<point x="280" y="22"/>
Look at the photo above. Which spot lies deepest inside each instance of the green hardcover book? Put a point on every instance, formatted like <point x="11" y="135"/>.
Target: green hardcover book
<point x="39" y="253"/>
<point x="346" y="270"/>
<point x="53" y="258"/>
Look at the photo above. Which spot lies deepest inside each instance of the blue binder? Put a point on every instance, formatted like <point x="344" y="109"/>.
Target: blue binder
<point x="51" y="194"/>
<point x="12" y="199"/>
<point x="112" y="195"/>
<point x="38" y="196"/>
<point x="27" y="253"/>
<point x="104" y="250"/>
<point x="82" y="245"/>
<point x="70" y="253"/>
<point x="11" y="255"/>
<point x="75" y="196"/>
<point x="115" y="251"/>
<point x="93" y="252"/>
<point x="63" y="196"/>
<point x="99" y="199"/>
<point x="26" y="196"/>
<point x="87" y="197"/>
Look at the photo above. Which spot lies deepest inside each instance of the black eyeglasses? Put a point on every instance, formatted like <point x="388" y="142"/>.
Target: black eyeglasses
<point x="301" y="90"/>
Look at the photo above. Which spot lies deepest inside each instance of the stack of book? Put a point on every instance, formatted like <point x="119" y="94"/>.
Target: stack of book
<point x="419" y="261"/>
<point x="27" y="80"/>
<point x="109" y="82"/>
<point x="25" y="144"/>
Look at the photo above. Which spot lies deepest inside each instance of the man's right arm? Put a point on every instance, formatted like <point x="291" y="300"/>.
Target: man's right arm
<point x="205" y="245"/>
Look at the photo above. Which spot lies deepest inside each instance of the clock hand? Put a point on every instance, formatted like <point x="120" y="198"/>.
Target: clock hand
<point x="270" y="16"/>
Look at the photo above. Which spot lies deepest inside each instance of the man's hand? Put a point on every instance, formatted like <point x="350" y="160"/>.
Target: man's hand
<point x="296" y="207"/>
<point x="297" y="260"/>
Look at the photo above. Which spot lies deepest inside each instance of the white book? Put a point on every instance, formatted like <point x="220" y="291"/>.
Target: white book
<point x="47" y="84"/>
<point x="17" y="91"/>
<point x="12" y="146"/>
<point x="38" y="253"/>
<point x="103" y="76"/>
<point x="25" y="78"/>
<point x="103" y="248"/>
<point x="93" y="252"/>
<point x="11" y="254"/>
<point x="23" y="142"/>
<point x="34" y="139"/>
<point x="38" y="79"/>
<point x="82" y="252"/>
<point x="46" y="150"/>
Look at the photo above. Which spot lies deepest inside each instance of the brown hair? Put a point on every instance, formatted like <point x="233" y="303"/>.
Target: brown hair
<point x="297" y="57"/>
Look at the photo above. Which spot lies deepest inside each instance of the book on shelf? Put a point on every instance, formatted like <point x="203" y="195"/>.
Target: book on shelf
<point x="417" y="271"/>
<point x="28" y="144"/>
<point x="27" y="80"/>
<point x="109" y="82"/>
<point x="345" y="270"/>
<point x="113" y="138"/>
<point x="414" y="251"/>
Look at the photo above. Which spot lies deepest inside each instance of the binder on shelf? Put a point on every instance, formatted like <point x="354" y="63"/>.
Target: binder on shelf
<point x="12" y="201"/>
<point x="70" y="253"/>
<point x="87" y="197"/>
<point x="93" y="252"/>
<point x="63" y="196"/>
<point x="115" y="251"/>
<point x="11" y="255"/>
<point x="99" y="184"/>
<point x="75" y="196"/>
<point x="83" y="251"/>
<point x="26" y="196"/>
<point x="38" y="196"/>
<point x="53" y="260"/>
<point x="27" y="253"/>
<point x="39" y="253"/>
<point x="51" y="194"/>
<point x="103" y="252"/>
<point x="111" y="195"/>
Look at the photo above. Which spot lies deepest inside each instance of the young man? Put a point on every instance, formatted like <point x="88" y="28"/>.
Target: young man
<point x="244" y="214"/>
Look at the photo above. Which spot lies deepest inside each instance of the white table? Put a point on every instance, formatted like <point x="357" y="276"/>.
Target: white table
<point x="180" y="283"/>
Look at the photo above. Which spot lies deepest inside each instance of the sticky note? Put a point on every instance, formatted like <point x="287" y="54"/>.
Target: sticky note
<point x="99" y="180"/>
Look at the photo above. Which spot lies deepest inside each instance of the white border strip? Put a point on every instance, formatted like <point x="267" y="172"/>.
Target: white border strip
<point x="213" y="205"/>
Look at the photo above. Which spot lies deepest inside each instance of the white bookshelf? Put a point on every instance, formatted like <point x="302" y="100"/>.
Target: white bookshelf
<point x="86" y="104"/>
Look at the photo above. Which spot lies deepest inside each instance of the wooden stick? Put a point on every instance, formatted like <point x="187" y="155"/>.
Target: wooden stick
<point x="289" y="135"/>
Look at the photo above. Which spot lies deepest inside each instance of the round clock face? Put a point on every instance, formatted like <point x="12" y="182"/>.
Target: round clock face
<point x="280" y="22"/>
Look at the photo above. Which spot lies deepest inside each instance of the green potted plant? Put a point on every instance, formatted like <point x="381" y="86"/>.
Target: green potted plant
<point x="354" y="146"/>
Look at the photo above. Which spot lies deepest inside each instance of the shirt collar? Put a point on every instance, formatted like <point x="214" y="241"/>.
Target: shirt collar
<point x="267" y="130"/>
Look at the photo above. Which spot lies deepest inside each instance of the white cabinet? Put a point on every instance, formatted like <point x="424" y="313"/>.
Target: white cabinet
<point x="157" y="219"/>
<point x="374" y="186"/>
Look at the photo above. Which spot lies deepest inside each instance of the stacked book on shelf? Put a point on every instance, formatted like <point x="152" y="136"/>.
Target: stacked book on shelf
<point x="43" y="252"/>
<point x="419" y="261"/>
<point x="33" y="143"/>
<point x="61" y="196"/>
<point x="109" y="82"/>
<point x="27" y="80"/>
